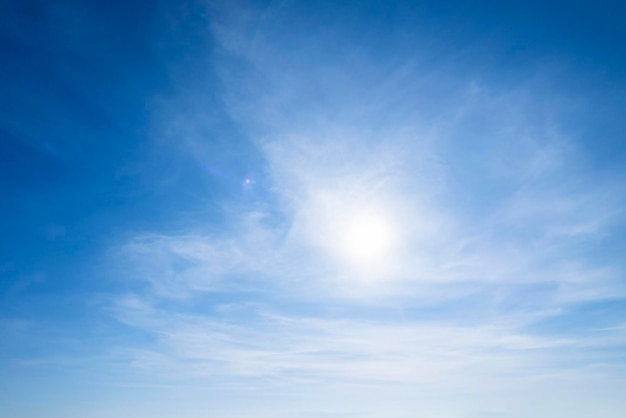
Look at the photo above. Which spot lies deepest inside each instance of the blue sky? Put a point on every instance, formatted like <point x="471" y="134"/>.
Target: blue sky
<point x="312" y="209"/>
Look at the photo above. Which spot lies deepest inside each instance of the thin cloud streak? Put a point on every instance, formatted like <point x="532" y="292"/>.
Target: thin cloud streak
<point x="352" y="350"/>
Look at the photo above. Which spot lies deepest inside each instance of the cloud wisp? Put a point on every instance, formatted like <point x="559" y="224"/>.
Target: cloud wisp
<point x="495" y="215"/>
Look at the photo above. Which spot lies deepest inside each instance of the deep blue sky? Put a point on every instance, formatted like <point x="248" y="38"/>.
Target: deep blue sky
<point x="312" y="209"/>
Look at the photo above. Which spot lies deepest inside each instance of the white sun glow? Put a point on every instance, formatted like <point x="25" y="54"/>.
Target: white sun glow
<point x="358" y="236"/>
<point x="366" y="238"/>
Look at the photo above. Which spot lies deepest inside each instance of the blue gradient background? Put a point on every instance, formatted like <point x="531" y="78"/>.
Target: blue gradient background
<point x="164" y="251"/>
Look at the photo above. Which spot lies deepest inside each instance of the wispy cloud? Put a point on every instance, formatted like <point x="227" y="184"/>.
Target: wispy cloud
<point x="355" y="350"/>
<point x="497" y="216"/>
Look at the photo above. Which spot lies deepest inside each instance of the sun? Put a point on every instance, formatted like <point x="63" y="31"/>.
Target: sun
<point x="366" y="238"/>
<point x="359" y="237"/>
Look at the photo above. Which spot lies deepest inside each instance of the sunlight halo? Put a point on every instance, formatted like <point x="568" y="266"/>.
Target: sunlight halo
<point x="366" y="238"/>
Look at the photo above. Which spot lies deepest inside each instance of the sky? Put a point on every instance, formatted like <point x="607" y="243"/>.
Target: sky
<point x="312" y="209"/>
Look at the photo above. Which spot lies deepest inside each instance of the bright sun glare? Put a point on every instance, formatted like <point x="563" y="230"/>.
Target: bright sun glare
<point x="366" y="238"/>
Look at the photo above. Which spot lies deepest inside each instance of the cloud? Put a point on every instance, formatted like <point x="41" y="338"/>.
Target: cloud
<point x="354" y="350"/>
<point x="498" y="212"/>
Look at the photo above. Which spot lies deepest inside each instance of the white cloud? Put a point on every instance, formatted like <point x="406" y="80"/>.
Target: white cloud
<point x="497" y="223"/>
<point x="353" y="350"/>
